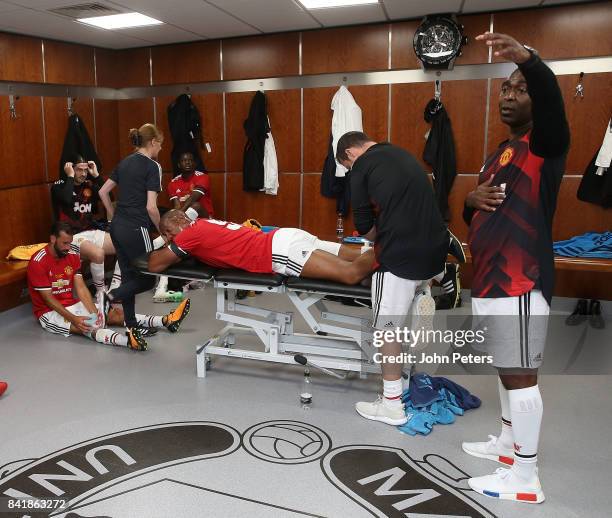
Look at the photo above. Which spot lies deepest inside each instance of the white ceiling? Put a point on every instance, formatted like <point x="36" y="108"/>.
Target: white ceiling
<point x="190" y="20"/>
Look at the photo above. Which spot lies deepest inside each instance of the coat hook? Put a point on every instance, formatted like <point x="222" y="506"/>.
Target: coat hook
<point x="437" y="90"/>
<point x="12" y="108"/>
<point x="580" y="86"/>
<point x="70" y="101"/>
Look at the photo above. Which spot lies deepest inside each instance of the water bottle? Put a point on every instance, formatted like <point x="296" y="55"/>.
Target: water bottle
<point x="306" y="392"/>
<point x="339" y="227"/>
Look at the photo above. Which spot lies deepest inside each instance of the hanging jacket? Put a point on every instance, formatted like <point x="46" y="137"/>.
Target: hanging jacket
<point x="186" y="131"/>
<point x="439" y="153"/>
<point x="347" y="117"/>
<point x="596" y="184"/>
<point x="256" y="128"/>
<point x="77" y="142"/>
<point x="332" y="186"/>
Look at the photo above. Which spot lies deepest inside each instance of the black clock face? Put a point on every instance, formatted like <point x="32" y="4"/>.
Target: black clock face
<point x="437" y="42"/>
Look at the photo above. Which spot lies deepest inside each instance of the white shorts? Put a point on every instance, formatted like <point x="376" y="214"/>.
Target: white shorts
<point x="95" y="237"/>
<point x="291" y="248"/>
<point x="392" y="298"/>
<point x="53" y="322"/>
<point x="514" y="329"/>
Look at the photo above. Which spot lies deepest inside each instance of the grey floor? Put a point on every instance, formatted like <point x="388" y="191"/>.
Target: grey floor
<point x="191" y="442"/>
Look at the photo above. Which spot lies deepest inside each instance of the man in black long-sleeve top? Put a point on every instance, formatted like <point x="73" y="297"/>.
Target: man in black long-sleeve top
<point x="75" y="200"/>
<point x="394" y="205"/>
<point x="510" y="216"/>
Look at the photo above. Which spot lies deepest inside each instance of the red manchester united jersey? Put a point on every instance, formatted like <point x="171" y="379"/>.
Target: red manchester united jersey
<point x="46" y="272"/>
<point x="225" y="245"/>
<point x="181" y="189"/>
<point x="504" y="243"/>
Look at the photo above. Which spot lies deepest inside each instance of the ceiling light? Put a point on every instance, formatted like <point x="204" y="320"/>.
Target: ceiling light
<point x="324" y="4"/>
<point x="120" y="21"/>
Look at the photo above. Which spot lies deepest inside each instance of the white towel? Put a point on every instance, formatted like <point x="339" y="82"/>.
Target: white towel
<point x="347" y="117"/>
<point x="604" y="157"/>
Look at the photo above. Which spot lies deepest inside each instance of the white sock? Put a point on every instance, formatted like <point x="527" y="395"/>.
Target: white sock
<point x="97" y="275"/>
<point x="526" y="412"/>
<point x="162" y="285"/>
<point x="506" y="438"/>
<point x="116" y="281"/>
<point x="149" y="320"/>
<point x="392" y="392"/>
<point x="106" y="336"/>
<point x="158" y="242"/>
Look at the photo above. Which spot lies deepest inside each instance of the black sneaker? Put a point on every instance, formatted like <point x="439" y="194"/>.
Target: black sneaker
<point x="580" y="314"/>
<point x="451" y="284"/>
<point x="595" y="317"/>
<point x="146" y="332"/>
<point x="455" y="248"/>
<point x="447" y="301"/>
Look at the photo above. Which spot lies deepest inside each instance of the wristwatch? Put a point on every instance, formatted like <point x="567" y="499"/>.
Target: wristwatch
<point x="438" y="41"/>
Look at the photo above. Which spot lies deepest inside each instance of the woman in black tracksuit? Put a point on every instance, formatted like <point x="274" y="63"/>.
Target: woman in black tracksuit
<point x="139" y="179"/>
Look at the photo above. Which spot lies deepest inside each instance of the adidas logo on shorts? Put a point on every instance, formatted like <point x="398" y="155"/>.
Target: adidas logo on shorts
<point x="304" y="253"/>
<point x="389" y="324"/>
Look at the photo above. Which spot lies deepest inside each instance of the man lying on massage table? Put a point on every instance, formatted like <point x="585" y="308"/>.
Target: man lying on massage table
<point x="286" y="251"/>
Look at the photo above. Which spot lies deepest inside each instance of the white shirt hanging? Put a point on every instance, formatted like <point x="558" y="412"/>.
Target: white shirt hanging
<point x="604" y="157"/>
<point x="270" y="163"/>
<point x="347" y="117"/>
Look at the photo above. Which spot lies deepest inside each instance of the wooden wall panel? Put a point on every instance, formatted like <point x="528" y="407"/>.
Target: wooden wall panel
<point x="20" y="58"/>
<point x="237" y="110"/>
<point x="186" y="63"/>
<point x="163" y="199"/>
<point x="107" y="139"/>
<point x="347" y="49"/>
<point x="497" y="131"/>
<point x="271" y="55"/>
<point x="569" y="31"/>
<point x="217" y="193"/>
<point x="408" y="128"/>
<point x="66" y="63"/>
<point x="122" y="68"/>
<point x="20" y="224"/>
<point x="318" y="212"/>
<point x="131" y="67"/>
<point x="284" y="115"/>
<point x="281" y="210"/>
<point x="374" y="103"/>
<point x="22" y="156"/>
<point x="132" y="114"/>
<point x="574" y="217"/>
<point x="56" y="124"/>
<point x="317" y="127"/>
<point x="588" y="117"/>
<point x="402" y="50"/>
<point x="465" y="102"/>
<point x="210" y="107"/>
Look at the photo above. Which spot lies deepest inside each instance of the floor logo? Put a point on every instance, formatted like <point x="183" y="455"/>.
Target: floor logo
<point x="286" y="442"/>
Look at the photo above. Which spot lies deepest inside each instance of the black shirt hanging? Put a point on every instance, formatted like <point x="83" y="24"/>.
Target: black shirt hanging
<point x="256" y="128"/>
<point x="186" y="131"/>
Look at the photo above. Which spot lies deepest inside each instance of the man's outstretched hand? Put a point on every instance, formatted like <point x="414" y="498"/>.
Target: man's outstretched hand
<point x="505" y="46"/>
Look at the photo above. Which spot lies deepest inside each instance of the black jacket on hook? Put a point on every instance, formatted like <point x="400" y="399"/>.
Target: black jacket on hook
<point x="596" y="188"/>
<point x="332" y="186"/>
<point x="77" y="142"/>
<point x="439" y="153"/>
<point x="186" y="131"/>
<point x="256" y="128"/>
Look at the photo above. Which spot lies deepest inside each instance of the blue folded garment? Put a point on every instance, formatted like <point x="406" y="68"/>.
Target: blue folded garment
<point x="422" y="391"/>
<point x="591" y="244"/>
<point x="419" y="421"/>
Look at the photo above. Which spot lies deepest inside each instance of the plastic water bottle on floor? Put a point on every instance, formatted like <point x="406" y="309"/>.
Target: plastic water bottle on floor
<point x="340" y="228"/>
<point x="306" y="392"/>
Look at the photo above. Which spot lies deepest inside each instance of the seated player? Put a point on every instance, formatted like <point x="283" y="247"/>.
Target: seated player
<point x="3" y="387"/>
<point x="191" y="189"/>
<point x="75" y="200"/>
<point x="287" y="251"/>
<point x="54" y="278"/>
<point x="189" y="192"/>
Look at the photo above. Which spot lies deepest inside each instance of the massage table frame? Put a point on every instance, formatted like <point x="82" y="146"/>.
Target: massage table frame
<point x="337" y="341"/>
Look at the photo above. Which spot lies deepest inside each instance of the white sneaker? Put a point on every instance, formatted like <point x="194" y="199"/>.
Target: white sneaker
<point x="492" y="450"/>
<point x="380" y="411"/>
<point x="505" y="484"/>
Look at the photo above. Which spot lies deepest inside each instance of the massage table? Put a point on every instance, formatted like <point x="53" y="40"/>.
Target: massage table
<point x="336" y="341"/>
